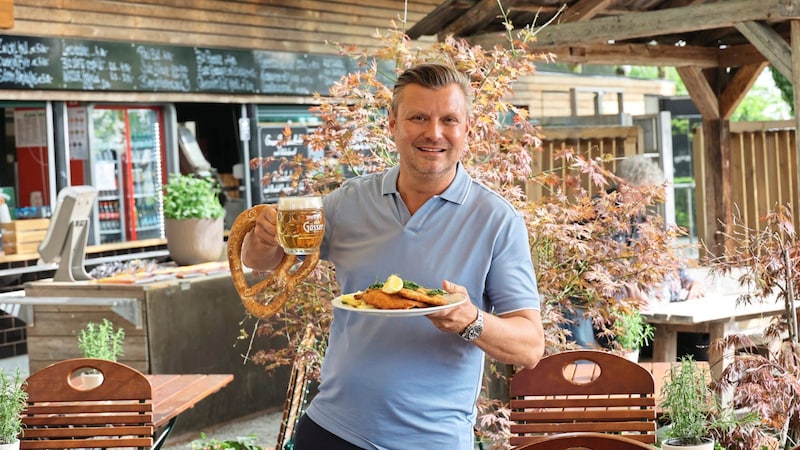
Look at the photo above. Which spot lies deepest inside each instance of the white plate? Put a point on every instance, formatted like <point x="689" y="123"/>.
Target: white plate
<point x="452" y="299"/>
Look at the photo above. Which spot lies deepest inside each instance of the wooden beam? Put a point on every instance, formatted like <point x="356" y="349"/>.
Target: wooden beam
<point x="584" y="10"/>
<point x="635" y="54"/>
<point x="738" y="87"/>
<point x="6" y="14"/>
<point x="795" y="42"/>
<point x="687" y="19"/>
<point x="437" y="19"/>
<point x="482" y="12"/>
<point x="770" y="44"/>
<point x="700" y="92"/>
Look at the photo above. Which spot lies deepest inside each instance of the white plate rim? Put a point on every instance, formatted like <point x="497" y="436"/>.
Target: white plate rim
<point x="461" y="298"/>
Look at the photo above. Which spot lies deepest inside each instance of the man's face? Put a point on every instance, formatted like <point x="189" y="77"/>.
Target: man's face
<point x="430" y="130"/>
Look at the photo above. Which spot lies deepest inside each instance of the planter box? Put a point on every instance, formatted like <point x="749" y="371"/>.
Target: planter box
<point x="24" y="236"/>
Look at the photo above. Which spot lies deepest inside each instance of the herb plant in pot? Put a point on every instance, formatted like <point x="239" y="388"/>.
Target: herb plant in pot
<point x="632" y="332"/>
<point x="13" y="399"/>
<point x="193" y="219"/>
<point x="688" y="406"/>
<point x="100" y="341"/>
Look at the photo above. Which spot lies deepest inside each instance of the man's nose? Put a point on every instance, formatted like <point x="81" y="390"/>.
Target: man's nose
<point x="434" y="129"/>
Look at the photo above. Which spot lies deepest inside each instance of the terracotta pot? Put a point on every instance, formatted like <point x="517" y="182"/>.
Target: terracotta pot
<point x="674" y="444"/>
<point x="195" y="241"/>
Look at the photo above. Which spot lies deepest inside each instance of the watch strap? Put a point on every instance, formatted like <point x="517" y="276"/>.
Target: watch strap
<point x="474" y="329"/>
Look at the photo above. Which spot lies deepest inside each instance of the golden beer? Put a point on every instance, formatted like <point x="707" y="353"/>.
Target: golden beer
<point x="301" y="224"/>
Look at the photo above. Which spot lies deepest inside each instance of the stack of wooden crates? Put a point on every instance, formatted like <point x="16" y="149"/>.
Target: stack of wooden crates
<point x="24" y="236"/>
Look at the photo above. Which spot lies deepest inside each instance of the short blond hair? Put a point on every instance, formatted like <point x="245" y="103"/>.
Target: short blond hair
<point x="431" y="76"/>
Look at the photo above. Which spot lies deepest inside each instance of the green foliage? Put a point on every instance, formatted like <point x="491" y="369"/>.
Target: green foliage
<point x="688" y="402"/>
<point x="101" y="341"/>
<point x="191" y="197"/>
<point x="632" y="332"/>
<point x="241" y="443"/>
<point x="785" y="86"/>
<point x="13" y="399"/>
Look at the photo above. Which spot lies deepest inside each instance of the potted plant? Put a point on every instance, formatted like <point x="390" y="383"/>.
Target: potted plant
<point x="193" y="222"/>
<point x="688" y="405"/>
<point x="631" y="332"/>
<point x="100" y="341"/>
<point x="13" y="399"/>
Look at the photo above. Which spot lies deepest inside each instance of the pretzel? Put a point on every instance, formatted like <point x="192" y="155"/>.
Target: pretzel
<point x="285" y="280"/>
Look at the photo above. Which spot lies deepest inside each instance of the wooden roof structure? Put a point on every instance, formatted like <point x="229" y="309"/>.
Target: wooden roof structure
<point x="718" y="47"/>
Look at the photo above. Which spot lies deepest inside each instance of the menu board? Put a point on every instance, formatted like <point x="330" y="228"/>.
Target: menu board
<point x="72" y="64"/>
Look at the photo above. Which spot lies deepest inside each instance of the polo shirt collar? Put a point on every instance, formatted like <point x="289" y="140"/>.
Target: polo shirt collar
<point x="457" y="191"/>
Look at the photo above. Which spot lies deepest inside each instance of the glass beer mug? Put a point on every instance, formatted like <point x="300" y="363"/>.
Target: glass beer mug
<point x="301" y="224"/>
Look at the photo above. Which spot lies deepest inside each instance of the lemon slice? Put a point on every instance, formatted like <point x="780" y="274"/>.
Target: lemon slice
<point x="392" y="285"/>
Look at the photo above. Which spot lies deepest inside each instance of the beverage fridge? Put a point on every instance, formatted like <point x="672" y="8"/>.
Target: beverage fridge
<point x="125" y="162"/>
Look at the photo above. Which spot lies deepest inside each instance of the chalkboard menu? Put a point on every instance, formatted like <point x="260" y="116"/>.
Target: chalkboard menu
<point x="269" y="177"/>
<point x="71" y="64"/>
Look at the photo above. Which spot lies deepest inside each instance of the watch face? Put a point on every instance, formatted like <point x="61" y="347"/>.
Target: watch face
<point x="474" y="329"/>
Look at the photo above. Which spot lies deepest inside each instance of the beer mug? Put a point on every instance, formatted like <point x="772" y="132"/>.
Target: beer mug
<point x="301" y="224"/>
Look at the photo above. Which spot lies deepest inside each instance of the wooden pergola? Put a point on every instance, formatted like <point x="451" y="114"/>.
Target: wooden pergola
<point x="719" y="48"/>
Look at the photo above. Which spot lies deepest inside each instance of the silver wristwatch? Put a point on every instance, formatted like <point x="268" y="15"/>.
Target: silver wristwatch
<point x="474" y="329"/>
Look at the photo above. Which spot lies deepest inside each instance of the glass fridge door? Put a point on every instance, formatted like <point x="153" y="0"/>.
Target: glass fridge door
<point x="107" y="151"/>
<point x="146" y="218"/>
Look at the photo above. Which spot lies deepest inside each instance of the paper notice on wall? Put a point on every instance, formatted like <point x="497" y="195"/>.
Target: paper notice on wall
<point x="105" y="177"/>
<point x="30" y="128"/>
<point x="78" y="133"/>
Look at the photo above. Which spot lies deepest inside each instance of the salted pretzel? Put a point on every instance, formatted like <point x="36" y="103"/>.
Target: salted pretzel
<point x="282" y="276"/>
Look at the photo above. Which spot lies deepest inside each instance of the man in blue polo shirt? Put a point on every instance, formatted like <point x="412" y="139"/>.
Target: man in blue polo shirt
<point x="412" y="382"/>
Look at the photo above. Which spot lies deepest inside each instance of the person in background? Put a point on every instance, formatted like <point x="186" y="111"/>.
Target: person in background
<point x="412" y="383"/>
<point x="634" y="172"/>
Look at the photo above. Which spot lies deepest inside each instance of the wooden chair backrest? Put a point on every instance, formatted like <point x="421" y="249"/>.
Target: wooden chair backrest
<point x="583" y="391"/>
<point x="61" y="413"/>
<point x="585" y="441"/>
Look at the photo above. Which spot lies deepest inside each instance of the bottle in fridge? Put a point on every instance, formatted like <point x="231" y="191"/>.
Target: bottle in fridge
<point x="126" y="166"/>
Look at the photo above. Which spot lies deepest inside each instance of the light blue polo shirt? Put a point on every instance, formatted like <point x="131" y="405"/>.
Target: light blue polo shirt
<point x="398" y="382"/>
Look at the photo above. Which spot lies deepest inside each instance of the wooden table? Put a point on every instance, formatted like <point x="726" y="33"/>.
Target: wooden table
<point x="174" y="394"/>
<point x="718" y="313"/>
<point x="583" y="373"/>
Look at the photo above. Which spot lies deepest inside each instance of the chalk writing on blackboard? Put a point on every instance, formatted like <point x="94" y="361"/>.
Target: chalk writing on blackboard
<point x="75" y="64"/>
<point x="220" y="70"/>
<point x="91" y="66"/>
<point x="161" y="70"/>
<point x="24" y="63"/>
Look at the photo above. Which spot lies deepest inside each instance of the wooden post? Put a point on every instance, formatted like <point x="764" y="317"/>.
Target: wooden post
<point x="6" y="14"/>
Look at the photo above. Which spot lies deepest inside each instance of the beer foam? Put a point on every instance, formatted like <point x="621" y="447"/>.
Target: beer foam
<point x="303" y="202"/>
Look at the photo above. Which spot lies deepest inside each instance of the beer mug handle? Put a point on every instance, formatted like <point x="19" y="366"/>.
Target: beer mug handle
<point x="282" y="275"/>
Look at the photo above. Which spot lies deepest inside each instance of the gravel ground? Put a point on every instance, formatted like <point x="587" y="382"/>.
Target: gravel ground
<point x="265" y="425"/>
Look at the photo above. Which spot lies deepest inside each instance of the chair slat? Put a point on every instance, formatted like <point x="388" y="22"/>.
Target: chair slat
<point x="85" y="432"/>
<point x="62" y="414"/>
<point x="564" y="394"/>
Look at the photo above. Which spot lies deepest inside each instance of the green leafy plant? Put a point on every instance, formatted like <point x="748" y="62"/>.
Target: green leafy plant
<point x="689" y="403"/>
<point x="191" y="197"/>
<point x="631" y="330"/>
<point x="13" y="400"/>
<point x="101" y="340"/>
<point x="240" y="443"/>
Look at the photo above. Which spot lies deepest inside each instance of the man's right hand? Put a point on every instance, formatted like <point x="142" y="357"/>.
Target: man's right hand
<point x="260" y="249"/>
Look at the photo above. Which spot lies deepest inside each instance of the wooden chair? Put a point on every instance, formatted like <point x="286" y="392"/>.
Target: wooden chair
<point x="585" y="441"/>
<point x="583" y="391"/>
<point x="62" y="413"/>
